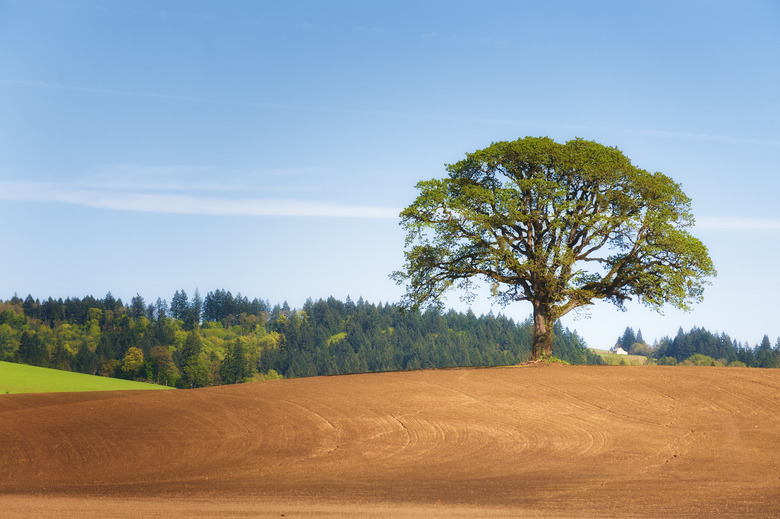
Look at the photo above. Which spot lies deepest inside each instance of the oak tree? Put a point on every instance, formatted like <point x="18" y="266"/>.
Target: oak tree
<point x="558" y="225"/>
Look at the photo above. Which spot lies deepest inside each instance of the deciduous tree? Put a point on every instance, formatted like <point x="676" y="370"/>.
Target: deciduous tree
<point x="132" y="362"/>
<point x="558" y="225"/>
<point x="164" y="368"/>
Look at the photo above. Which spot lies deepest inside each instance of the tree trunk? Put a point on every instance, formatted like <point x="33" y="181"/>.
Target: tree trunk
<point x="542" y="342"/>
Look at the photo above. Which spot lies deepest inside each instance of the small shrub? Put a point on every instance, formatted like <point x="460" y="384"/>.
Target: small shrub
<point x="699" y="359"/>
<point x="640" y="348"/>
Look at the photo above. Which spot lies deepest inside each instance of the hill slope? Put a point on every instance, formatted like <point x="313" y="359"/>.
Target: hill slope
<point x="22" y="378"/>
<point x="553" y="441"/>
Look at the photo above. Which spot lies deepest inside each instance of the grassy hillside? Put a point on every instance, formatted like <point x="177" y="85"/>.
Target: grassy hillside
<point x="616" y="360"/>
<point x="21" y="378"/>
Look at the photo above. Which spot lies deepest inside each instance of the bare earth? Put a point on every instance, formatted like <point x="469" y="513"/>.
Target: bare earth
<point x="547" y="441"/>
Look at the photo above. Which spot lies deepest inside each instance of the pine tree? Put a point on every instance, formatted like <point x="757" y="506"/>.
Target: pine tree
<point x="32" y="350"/>
<point x="196" y="309"/>
<point x="161" y="306"/>
<point x="137" y="307"/>
<point x="179" y="304"/>
<point x="235" y="367"/>
<point x="193" y="366"/>
<point x="627" y="339"/>
<point x="86" y="360"/>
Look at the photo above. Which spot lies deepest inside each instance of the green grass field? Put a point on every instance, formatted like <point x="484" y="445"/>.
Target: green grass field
<point x="616" y="360"/>
<point x="21" y="378"/>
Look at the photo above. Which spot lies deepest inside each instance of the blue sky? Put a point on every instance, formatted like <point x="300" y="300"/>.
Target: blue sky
<point x="267" y="147"/>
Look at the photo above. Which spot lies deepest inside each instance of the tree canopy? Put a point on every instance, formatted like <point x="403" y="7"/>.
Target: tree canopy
<point x="558" y="225"/>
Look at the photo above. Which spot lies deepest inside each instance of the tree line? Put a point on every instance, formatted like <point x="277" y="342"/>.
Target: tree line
<point x="222" y="338"/>
<point x="702" y="347"/>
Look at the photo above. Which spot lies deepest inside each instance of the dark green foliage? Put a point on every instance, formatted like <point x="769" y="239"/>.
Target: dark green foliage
<point x="634" y="343"/>
<point x="569" y="346"/>
<point x="192" y="314"/>
<point x="193" y="345"/>
<point x="324" y="337"/>
<point x="12" y="317"/>
<point x="137" y="307"/>
<point x="85" y="360"/>
<point x="766" y="357"/>
<point x="52" y="311"/>
<point x="7" y="342"/>
<point x="195" y="373"/>
<point x="158" y="311"/>
<point x="220" y="305"/>
<point x="32" y="307"/>
<point x="161" y="367"/>
<point x="700" y="341"/>
<point x="627" y="339"/>
<point x="179" y="304"/>
<point x="194" y="368"/>
<point x="236" y="366"/>
<point x="721" y="348"/>
<point x="32" y="350"/>
<point x="331" y="337"/>
<point x="61" y="357"/>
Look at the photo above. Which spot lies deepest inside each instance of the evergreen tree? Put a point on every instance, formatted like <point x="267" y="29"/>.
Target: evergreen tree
<point x="235" y="367"/>
<point x="193" y="366"/>
<point x="31" y="307"/>
<point x="32" y="350"/>
<point x="179" y="305"/>
<point x="195" y="310"/>
<point x="85" y="360"/>
<point x="192" y="347"/>
<point x="766" y="357"/>
<point x="109" y="302"/>
<point x="61" y="357"/>
<point x="137" y="307"/>
<point x="220" y="305"/>
<point x="627" y="339"/>
<point x="161" y="305"/>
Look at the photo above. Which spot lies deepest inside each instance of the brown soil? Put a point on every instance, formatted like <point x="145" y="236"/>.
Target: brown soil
<point x="532" y="441"/>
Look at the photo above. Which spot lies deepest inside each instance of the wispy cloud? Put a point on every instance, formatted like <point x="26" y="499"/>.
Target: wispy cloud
<point x="187" y="178"/>
<point x="172" y="198"/>
<point x="176" y="203"/>
<point x="738" y="224"/>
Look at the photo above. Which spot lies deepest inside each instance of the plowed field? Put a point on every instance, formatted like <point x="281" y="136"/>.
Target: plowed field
<point x="548" y="441"/>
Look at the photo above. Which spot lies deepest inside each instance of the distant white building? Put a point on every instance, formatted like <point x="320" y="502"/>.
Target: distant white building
<point x="620" y="351"/>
